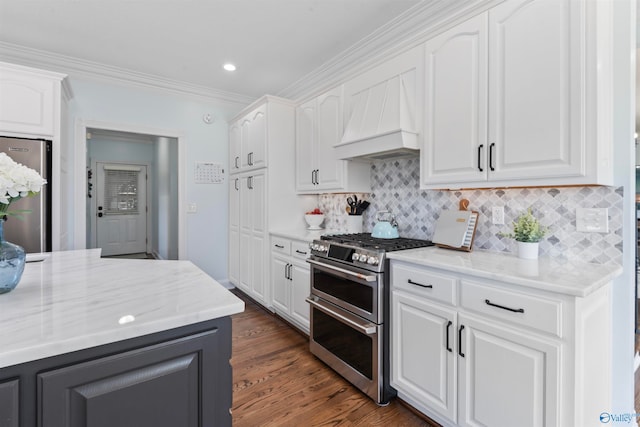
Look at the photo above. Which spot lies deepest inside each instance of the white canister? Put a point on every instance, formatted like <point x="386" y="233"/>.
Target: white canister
<point x="528" y="250"/>
<point x="354" y="223"/>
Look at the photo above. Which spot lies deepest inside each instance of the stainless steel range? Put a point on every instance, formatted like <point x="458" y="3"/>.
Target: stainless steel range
<point x="350" y="307"/>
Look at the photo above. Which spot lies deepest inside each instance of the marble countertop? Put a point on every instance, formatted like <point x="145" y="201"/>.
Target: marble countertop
<point x="302" y="234"/>
<point x="549" y="274"/>
<point x="76" y="300"/>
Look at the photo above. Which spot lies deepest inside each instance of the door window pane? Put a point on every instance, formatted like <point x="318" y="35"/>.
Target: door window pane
<point x="121" y="192"/>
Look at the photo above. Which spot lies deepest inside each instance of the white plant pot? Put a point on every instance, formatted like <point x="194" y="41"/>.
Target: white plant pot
<point x="528" y="250"/>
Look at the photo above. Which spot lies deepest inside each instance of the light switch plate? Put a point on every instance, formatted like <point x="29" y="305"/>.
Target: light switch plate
<point x="592" y="220"/>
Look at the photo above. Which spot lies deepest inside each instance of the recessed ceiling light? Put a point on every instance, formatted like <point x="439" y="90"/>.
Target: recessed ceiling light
<point x="229" y="67"/>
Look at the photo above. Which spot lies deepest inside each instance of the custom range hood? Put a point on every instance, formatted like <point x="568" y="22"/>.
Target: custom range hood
<point x="381" y="122"/>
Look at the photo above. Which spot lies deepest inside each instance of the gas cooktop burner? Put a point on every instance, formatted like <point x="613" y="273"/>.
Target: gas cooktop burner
<point x="365" y="241"/>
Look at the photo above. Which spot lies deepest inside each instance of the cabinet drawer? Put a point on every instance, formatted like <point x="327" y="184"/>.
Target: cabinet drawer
<point x="526" y="310"/>
<point x="423" y="282"/>
<point x="281" y="246"/>
<point x="300" y="249"/>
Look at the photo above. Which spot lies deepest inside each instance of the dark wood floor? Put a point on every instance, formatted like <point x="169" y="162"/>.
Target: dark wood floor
<point x="277" y="382"/>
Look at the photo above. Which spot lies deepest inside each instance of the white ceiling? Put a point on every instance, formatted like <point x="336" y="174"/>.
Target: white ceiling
<point x="274" y="43"/>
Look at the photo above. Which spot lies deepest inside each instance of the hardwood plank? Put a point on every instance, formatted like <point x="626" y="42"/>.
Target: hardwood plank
<point x="278" y="382"/>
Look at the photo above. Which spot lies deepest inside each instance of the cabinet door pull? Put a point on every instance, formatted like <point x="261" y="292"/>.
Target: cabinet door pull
<point x="286" y="271"/>
<point x="493" y="144"/>
<point x="279" y="246"/>
<point x="419" y="284"/>
<point x="250" y="158"/>
<point x="480" y="147"/>
<point x="514" y="310"/>
<point x="317" y="176"/>
<point x="289" y="272"/>
<point x="460" y="341"/>
<point x="300" y="252"/>
<point x="313" y="177"/>
<point x="236" y="160"/>
<point x="235" y="184"/>
<point x="448" y="330"/>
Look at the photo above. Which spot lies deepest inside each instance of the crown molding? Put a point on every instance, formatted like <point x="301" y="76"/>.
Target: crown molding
<point x="417" y="25"/>
<point x="93" y="71"/>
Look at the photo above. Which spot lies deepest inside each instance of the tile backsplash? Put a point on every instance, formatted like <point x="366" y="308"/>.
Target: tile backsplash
<point x="395" y="186"/>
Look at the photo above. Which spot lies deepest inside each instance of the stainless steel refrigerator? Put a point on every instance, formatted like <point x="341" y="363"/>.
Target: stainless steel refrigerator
<point x="33" y="230"/>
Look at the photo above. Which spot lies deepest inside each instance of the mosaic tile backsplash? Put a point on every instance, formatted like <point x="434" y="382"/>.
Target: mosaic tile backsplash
<point x="395" y="186"/>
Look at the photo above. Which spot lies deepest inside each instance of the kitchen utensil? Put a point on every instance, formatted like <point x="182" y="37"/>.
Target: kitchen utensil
<point x="386" y="226"/>
<point x="352" y="205"/>
<point x="361" y="207"/>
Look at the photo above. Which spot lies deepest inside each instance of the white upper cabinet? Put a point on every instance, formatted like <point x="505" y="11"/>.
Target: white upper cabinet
<point x="516" y="96"/>
<point x="319" y="126"/>
<point x="248" y="141"/>
<point x="455" y="127"/>
<point x="29" y="100"/>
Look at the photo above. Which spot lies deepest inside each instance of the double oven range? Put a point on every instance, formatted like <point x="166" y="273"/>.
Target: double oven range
<point x="349" y="304"/>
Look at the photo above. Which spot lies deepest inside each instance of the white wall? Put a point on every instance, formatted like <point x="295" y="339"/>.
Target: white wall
<point x="128" y="106"/>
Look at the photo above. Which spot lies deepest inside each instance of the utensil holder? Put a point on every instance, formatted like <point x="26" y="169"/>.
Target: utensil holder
<point x="354" y="223"/>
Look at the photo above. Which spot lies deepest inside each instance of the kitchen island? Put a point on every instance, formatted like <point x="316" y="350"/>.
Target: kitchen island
<point x="90" y="342"/>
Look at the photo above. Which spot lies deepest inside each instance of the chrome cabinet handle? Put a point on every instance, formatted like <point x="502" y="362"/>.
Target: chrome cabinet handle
<point x="279" y="246"/>
<point x="300" y="252"/>
<point x="419" y="284"/>
<point x="317" y="176"/>
<point x="460" y="341"/>
<point x="235" y="184"/>
<point x="513" y="310"/>
<point x="236" y="160"/>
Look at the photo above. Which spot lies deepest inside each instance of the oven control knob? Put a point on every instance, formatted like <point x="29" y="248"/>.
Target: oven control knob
<point x="355" y="256"/>
<point x="372" y="260"/>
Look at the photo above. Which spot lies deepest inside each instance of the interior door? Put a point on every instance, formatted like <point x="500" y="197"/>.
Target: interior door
<point x="121" y="211"/>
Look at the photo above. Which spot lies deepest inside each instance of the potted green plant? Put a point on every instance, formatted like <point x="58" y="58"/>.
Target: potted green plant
<point x="528" y="232"/>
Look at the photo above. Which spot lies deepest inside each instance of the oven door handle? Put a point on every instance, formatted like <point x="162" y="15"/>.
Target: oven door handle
<point x="344" y="271"/>
<point x="366" y="328"/>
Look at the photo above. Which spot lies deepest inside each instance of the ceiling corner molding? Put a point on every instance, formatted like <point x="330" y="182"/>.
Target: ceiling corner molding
<point x="415" y="26"/>
<point x="93" y="71"/>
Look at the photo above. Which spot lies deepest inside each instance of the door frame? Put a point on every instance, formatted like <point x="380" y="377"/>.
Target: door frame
<point x="80" y="173"/>
<point x="93" y="205"/>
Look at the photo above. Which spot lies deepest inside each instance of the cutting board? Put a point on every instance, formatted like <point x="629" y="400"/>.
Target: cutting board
<point x="456" y="229"/>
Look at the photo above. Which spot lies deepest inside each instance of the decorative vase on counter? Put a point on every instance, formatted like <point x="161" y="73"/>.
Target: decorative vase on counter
<point x="528" y="250"/>
<point x="12" y="260"/>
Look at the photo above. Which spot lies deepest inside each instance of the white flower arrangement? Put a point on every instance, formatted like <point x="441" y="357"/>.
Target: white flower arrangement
<point x="16" y="181"/>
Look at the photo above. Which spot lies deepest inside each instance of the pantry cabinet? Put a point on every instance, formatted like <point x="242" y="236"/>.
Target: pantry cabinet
<point x="504" y="108"/>
<point x="250" y="258"/>
<point x="319" y="126"/>
<point x="261" y="191"/>
<point x="467" y="350"/>
<point x="290" y="279"/>
<point x="248" y="141"/>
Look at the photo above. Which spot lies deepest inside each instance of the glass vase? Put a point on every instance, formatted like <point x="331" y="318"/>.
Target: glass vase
<point x="12" y="259"/>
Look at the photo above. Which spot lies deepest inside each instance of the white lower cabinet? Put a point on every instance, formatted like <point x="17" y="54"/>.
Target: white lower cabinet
<point x="290" y="279"/>
<point x="467" y="351"/>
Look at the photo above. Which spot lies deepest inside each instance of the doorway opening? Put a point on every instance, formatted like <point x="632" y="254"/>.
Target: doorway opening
<point x="132" y="194"/>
